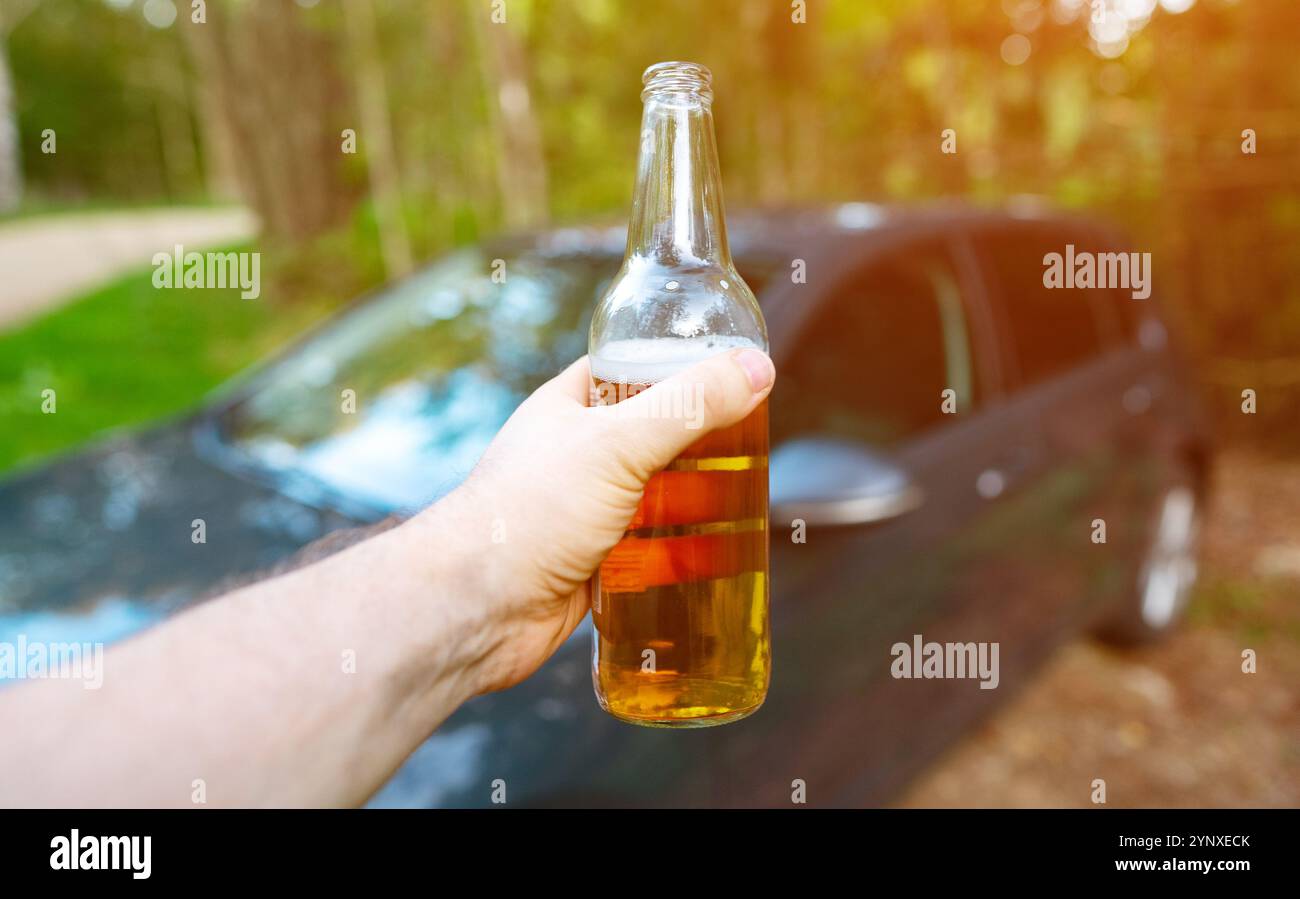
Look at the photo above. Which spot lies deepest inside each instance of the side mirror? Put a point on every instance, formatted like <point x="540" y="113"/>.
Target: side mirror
<point x="827" y="481"/>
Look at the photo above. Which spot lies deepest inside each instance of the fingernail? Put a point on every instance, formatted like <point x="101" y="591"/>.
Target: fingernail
<point x="759" y="368"/>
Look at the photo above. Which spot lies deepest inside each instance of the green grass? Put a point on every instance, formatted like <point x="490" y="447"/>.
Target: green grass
<point x="126" y="354"/>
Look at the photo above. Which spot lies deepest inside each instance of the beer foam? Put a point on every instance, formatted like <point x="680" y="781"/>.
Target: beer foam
<point x="651" y="360"/>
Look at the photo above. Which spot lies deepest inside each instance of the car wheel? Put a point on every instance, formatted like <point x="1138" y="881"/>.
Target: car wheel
<point x="1168" y="571"/>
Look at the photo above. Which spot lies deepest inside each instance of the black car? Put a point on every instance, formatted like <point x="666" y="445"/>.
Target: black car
<point x="960" y="456"/>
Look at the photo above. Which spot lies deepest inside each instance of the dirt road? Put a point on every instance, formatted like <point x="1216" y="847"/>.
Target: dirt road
<point x="46" y="260"/>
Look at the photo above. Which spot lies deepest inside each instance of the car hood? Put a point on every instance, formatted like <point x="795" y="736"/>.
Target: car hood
<point x="101" y="544"/>
<point x="105" y="541"/>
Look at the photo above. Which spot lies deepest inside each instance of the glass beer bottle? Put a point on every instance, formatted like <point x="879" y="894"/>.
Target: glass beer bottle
<point x="680" y="606"/>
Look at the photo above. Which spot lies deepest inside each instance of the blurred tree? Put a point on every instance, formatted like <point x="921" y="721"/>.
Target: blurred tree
<point x="372" y="97"/>
<point x="11" y="175"/>
<point x="12" y="12"/>
<point x="467" y="124"/>
<point x="521" y="166"/>
<point x="274" y="94"/>
<point x="104" y="103"/>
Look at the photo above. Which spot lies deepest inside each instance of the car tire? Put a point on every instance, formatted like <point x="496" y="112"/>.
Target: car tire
<point x="1167" y="572"/>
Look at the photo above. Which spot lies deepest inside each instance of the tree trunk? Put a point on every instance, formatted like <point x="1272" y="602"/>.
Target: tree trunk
<point x="376" y="137"/>
<point x="521" y="164"/>
<point x="276" y="93"/>
<point x="11" y="170"/>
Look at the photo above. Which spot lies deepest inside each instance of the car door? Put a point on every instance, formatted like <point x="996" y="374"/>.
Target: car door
<point x="867" y="363"/>
<point x="1142" y="411"/>
<point x="1068" y="371"/>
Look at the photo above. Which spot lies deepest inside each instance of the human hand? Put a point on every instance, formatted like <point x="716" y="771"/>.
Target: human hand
<point x="557" y="487"/>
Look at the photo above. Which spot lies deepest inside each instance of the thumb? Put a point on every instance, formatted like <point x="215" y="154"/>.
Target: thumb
<point x="656" y="425"/>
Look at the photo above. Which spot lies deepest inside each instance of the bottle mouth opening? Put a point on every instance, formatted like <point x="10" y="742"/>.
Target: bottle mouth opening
<point x="689" y="78"/>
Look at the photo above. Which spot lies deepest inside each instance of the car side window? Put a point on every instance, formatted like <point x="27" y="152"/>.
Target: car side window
<point x="874" y="361"/>
<point x="1052" y="329"/>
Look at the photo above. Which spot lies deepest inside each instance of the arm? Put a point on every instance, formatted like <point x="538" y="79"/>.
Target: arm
<point x="252" y="693"/>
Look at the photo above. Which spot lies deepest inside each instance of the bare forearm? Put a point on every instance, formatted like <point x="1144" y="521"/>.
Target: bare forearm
<point x="308" y="689"/>
<point x="311" y="688"/>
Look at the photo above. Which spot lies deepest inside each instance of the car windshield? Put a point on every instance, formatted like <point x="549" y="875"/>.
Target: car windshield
<point x="393" y="405"/>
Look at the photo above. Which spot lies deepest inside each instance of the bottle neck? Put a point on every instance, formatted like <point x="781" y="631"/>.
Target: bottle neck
<point x="677" y="218"/>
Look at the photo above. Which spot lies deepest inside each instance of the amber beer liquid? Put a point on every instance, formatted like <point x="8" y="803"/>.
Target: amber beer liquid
<point x="681" y="608"/>
<point x="680" y="604"/>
